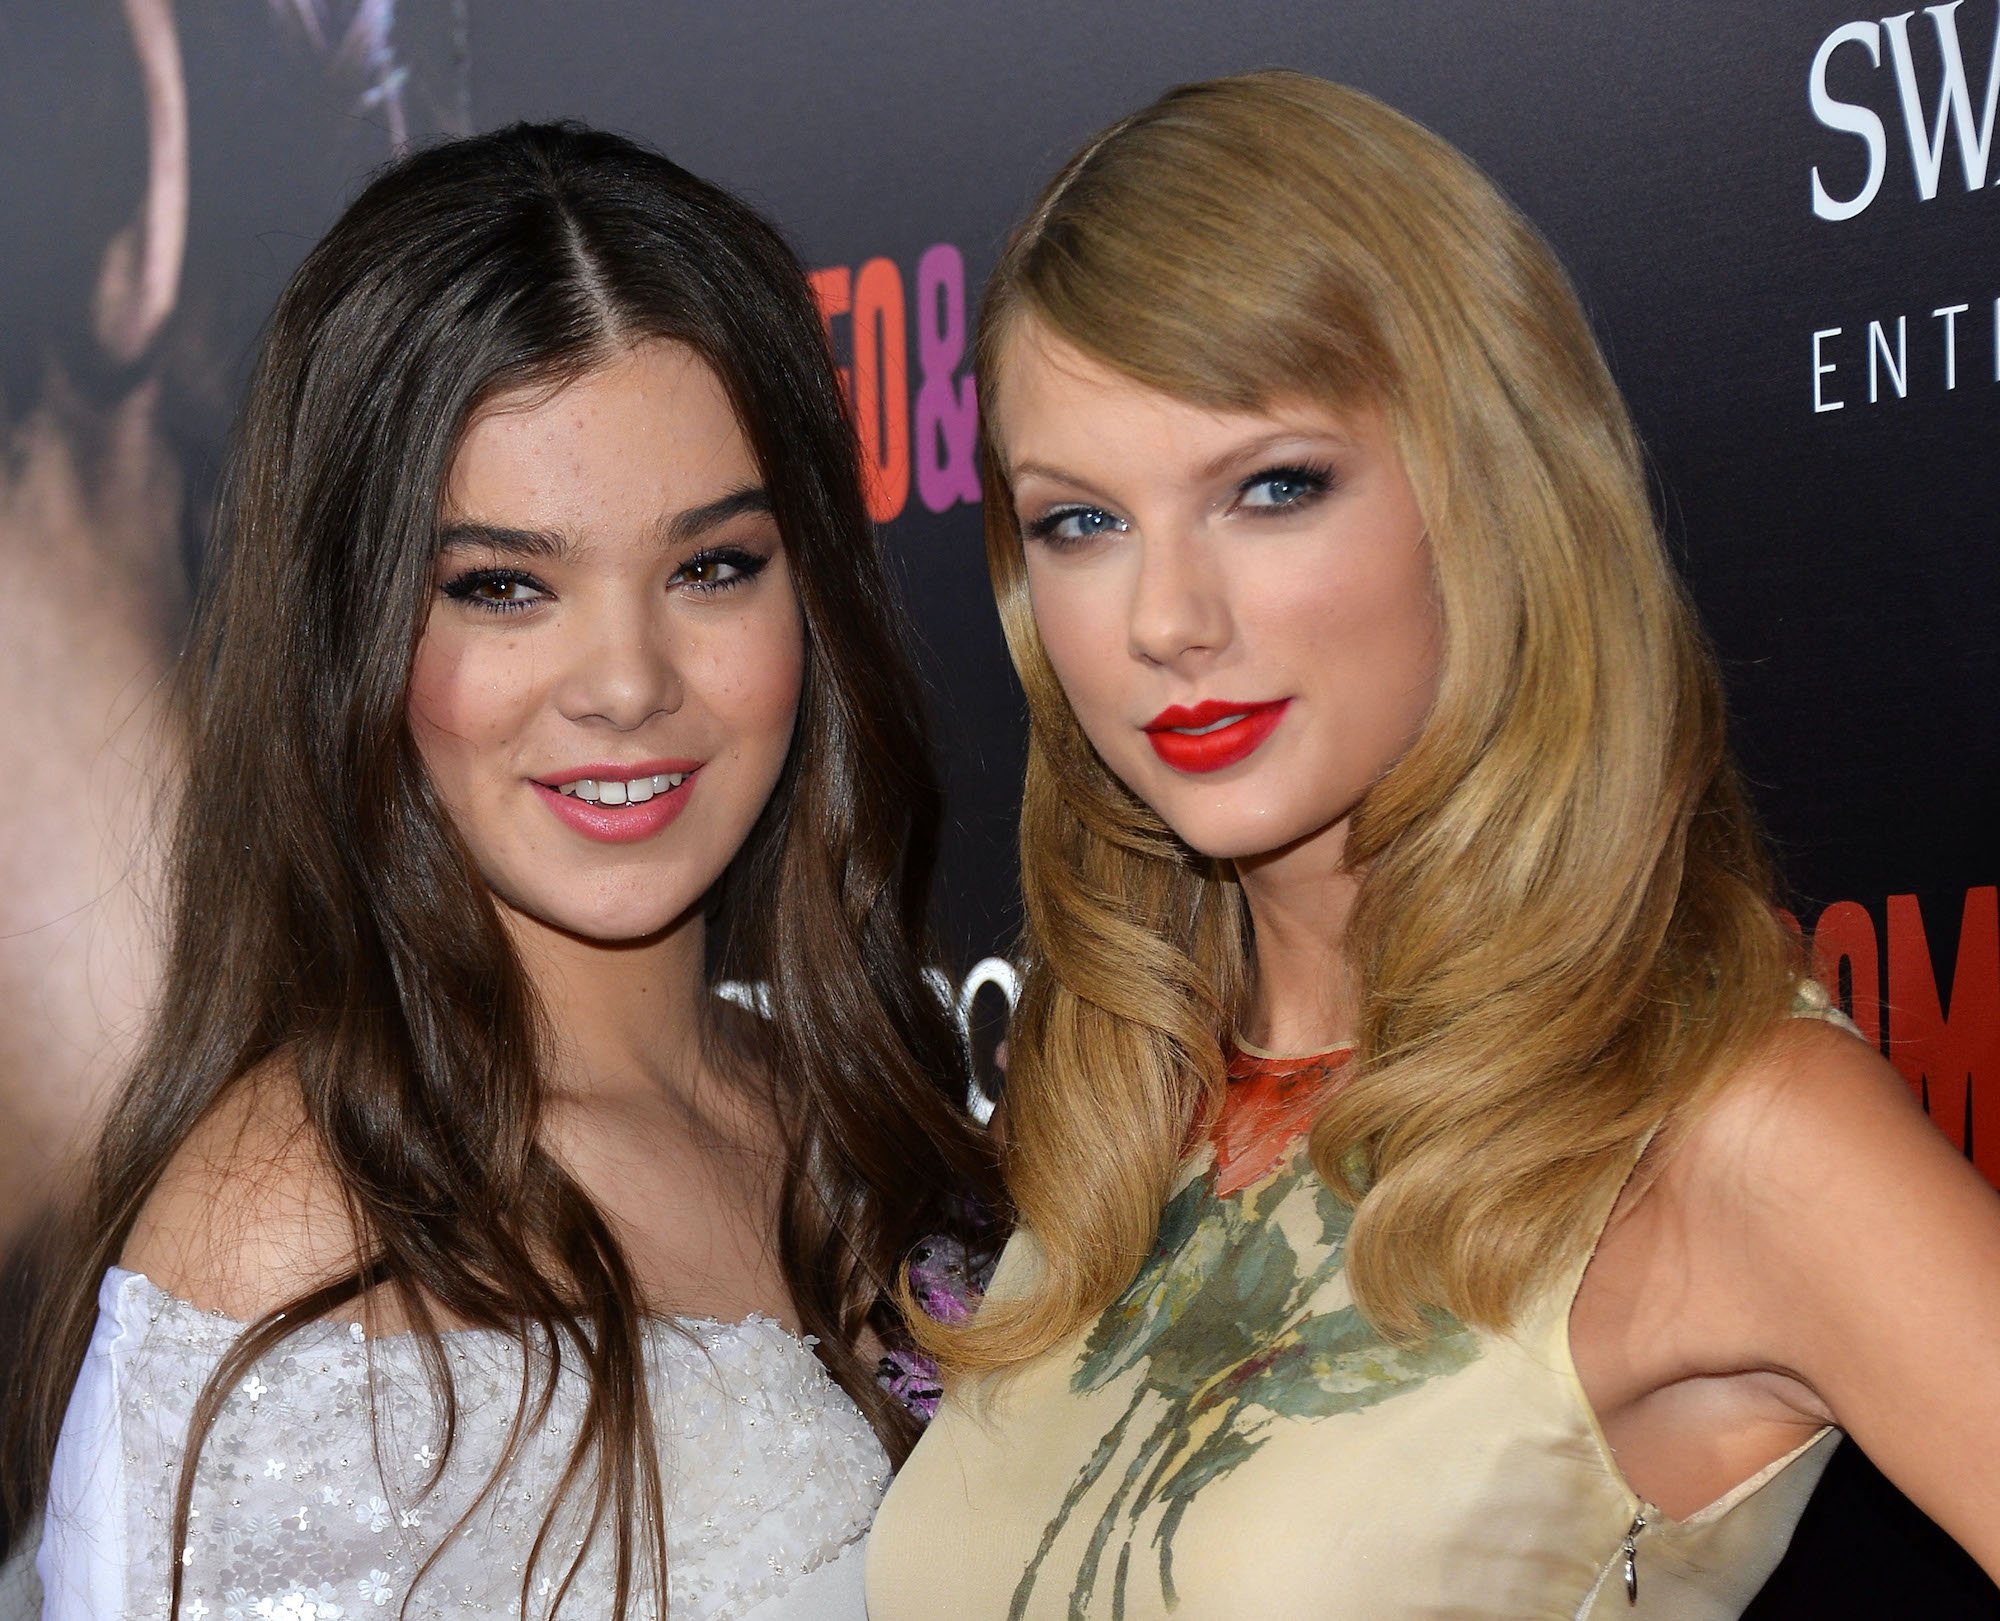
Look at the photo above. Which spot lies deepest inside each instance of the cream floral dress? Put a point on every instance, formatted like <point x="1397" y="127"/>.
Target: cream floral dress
<point x="1230" y="1439"/>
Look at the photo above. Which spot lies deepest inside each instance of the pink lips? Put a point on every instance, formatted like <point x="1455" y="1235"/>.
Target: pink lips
<point x="619" y="824"/>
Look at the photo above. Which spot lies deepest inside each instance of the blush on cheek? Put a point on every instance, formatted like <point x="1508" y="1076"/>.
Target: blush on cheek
<point x="1092" y="664"/>
<point x="436" y="693"/>
<point x="465" y="704"/>
<point x="771" y="693"/>
<point x="756" y="673"/>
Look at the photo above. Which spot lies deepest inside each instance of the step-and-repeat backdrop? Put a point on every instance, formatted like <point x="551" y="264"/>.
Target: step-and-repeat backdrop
<point x="1782" y="218"/>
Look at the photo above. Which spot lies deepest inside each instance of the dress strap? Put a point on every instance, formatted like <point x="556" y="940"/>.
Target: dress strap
<point x="1811" y="1000"/>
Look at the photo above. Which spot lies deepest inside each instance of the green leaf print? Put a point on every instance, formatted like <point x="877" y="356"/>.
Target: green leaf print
<point x="1222" y="1336"/>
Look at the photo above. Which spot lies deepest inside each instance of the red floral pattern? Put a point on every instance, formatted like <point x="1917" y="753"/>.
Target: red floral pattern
<point x="1269" y="1108"/>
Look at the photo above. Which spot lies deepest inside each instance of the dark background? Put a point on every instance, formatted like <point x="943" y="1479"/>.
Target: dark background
<point x="1844" y="561"/>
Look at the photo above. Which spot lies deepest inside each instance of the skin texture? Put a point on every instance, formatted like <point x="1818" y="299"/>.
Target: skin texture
<point x="616" y="620"/>
<point x="1811" y="1252"/>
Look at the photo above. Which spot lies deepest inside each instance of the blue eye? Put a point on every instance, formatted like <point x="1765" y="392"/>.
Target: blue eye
<point x="495" y="590"/>
<point x="1070" y="526"/>
<point x="1276" y="488"/>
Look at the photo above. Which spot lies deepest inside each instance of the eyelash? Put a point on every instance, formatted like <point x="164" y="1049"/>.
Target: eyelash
<point x="1314" y="479"/>
<point x="467" y="586"/>
<point x="1044" y="528"/>
<point x="748" y="566"/>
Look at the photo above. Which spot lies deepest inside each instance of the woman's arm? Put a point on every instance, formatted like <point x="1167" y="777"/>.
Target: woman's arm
<point x="1862" y="1253"/>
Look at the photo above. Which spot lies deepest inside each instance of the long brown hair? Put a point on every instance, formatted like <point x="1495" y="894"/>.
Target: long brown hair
<point x="1563" y="933"/>
<point x="340" y="923"/>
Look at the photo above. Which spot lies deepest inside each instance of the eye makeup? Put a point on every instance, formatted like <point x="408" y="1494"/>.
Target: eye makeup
<point x="494" y="590"/>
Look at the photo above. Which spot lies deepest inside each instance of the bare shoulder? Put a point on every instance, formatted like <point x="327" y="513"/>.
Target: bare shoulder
<point x="1822" y="1199"/>
<point x="1856" y="1251"/>
<point x="247" y="1213"/>
<point x="1814" y="1119"/>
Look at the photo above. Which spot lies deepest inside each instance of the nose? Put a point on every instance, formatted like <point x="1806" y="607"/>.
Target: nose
<point x="1178" y="608"/>
<point x="620" y="668"/>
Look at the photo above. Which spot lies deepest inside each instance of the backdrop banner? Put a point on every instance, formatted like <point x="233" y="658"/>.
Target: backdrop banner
<point x="1781" y="218"/>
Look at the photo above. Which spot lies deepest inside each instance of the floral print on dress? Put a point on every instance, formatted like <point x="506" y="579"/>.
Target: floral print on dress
<point x="1222" y="1337"/>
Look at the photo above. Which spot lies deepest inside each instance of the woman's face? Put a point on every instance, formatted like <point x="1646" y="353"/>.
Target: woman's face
<point x="604" y="691"/>
<point x="1240" y="606"/>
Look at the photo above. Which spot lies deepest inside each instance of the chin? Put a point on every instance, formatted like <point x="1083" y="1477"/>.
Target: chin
<point x="1228" y="849"/>
<point x="1235" y="836"/>
<point x="611" y="921"/>
<point x="1217" y="841"/>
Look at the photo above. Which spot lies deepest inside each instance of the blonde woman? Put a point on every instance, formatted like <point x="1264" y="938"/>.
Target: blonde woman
<point x="1428" y="1206"/>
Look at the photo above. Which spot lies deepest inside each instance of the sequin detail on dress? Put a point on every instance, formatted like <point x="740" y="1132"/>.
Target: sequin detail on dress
<point x="770" y="1471"/>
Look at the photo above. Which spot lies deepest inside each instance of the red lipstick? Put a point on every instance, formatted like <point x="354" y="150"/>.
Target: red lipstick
<point x="630" y="820"/>
<point x="1212" y="734"/>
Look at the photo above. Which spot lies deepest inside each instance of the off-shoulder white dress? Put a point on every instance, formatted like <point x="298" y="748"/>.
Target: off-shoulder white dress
<point x="309" y="1500"/>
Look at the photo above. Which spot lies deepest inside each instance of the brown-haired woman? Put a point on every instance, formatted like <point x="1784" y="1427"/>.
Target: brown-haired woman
<point x="454" y="1244"/>
<point x="1428" y="1206"/>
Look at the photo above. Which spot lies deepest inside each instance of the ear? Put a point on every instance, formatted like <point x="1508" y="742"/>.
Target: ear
<point x="139" y="280"/>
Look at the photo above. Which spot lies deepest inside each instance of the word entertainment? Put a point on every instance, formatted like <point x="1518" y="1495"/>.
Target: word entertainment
<point x="1876" y="362"/>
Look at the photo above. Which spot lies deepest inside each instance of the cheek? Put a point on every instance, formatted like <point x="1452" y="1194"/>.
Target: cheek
<point x="1079" y="631"/>
<point x="753" y="678"/>
<point x="1375" y="639"/>
<point x="464" y="698"/>
<point x="436" y="700"/>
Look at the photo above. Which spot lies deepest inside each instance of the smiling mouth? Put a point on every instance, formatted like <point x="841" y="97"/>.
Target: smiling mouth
<point x="619" y="810"/>
<point x="628" y="791"/>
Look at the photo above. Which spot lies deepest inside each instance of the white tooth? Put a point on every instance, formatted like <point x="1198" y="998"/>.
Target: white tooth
<point x="587" y="790"/>
<point x="611" y="793"/>
<point x="662" y="782"/>
<point x="567" y="790"/>
<point x="676" y="779"/>
<point x="639" y="790"/>
<point x="1213" y="726"/>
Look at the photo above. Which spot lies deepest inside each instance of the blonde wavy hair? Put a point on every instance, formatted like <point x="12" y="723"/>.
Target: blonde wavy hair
<point x="1564" y="934"/>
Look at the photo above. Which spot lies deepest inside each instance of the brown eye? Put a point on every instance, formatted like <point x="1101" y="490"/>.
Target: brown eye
<point x="720" y="569"/>
<point x="498" y="590"/>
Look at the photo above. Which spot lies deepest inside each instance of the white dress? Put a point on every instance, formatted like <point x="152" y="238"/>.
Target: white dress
<point x="309" y="1502"/>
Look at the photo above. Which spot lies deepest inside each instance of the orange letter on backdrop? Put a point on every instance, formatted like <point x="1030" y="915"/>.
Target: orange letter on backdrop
<point x="882" y="387"/>
<point x="1952" y="1055"/>
<point x="834" y="288"/>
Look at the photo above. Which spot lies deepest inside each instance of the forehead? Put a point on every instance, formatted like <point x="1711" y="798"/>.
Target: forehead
<point x="1055" y="405"/>
<point x="649" y="431"/>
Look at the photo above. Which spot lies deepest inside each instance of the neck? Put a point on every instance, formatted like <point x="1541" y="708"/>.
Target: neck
<point x="625" y="1018"/>
<point x="1300" y="897"/>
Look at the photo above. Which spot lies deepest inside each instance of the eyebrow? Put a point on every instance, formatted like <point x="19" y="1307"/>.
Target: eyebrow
<point x="542" y="543"/>
<point x="698" y="521"/>
<point x="553" y="545"/>
<point x="1252" y="451"/>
